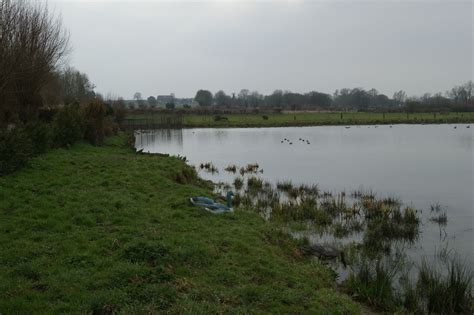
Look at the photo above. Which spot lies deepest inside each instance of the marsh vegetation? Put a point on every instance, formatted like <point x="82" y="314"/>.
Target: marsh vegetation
<point x="369" y="236"/>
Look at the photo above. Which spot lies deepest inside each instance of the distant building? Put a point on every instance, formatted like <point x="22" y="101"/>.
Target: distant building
<point x="163" y="99"/>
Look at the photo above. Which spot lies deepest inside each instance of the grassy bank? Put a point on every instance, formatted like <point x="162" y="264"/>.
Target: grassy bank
<point x="309" y="119"/>
<point x="103" y="230"/>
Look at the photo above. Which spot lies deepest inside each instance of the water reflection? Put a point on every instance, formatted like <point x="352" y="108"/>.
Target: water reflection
<point x="422" y="165"/>
<point x="152" y="140"/>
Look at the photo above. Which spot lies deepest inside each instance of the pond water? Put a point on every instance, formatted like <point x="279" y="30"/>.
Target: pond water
<point x="420" y="164"/>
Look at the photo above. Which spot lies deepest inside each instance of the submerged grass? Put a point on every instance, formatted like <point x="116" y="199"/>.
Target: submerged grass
<point x="384" y="224"/>
<point x="103" y="230"/>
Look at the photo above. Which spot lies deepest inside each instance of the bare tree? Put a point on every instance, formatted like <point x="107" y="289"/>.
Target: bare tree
<point x="32" y="44"/>
<point x="400" y="97"/>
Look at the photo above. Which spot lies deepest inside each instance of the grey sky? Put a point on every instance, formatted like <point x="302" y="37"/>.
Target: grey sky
<point x="158" y="47"/>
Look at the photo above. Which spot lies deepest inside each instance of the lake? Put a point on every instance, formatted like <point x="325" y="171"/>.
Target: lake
<point x="421" y="164"/>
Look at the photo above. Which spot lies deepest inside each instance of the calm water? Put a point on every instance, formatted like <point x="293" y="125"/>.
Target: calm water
<point x="422" y="165"/>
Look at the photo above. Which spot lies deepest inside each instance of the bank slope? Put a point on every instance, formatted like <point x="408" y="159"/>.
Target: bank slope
<point x="103" y="230"/>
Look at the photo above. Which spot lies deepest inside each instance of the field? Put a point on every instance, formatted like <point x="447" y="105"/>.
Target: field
<point x="103" y="230"/>
<point x="306" y="119"/>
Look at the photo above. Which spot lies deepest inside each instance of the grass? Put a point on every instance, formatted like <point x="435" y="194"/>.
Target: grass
<point x="313" y="119"/>
<point x="104" y="230"/>
<point x="453" y="283"/>
<point x="441" y="287"/>
<point x="372" y="282"/>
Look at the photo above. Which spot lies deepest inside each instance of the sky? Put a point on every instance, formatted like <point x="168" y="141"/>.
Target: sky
<point x="162" y="47"/>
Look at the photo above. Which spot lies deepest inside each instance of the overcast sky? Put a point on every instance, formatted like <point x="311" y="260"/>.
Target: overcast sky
<point x="159" y="47"/>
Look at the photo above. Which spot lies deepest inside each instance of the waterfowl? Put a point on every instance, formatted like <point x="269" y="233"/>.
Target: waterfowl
<point x="468" y="127"/>
<point x="455" y="127"/>
<point x="212" y="206"/>
<point x="324" y="251"/>
<point x="347" y="127"/>
<point x="219" y="208"/>
<point x="201" y="201"/>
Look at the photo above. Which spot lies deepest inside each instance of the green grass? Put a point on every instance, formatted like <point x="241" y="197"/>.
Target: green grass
<point x="313" y="119"/>
<point x="104" y="230"/>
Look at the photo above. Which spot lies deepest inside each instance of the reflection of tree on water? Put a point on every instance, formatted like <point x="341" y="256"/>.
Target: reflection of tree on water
<point x="146" y="138"/>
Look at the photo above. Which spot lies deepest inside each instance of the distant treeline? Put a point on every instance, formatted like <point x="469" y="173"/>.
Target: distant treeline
<point x="459" y="98"/>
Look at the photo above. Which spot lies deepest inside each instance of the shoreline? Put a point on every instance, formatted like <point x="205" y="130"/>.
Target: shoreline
<point x="186" y="121"/>
<point x="142" y="246"/>
<point x="320" y="125"/>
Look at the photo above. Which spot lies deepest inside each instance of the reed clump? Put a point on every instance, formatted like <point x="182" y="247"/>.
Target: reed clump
<point x="238" y="183"/>
<point x="448" y="291"/>
<point x="284" y="185"/>
<point x="231" y="169"/>
<point x="209" y="167"/>
<point x="254" y="183"/>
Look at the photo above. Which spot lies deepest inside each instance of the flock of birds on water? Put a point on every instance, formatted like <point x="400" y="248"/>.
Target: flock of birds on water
<point x="290" y="142"/>
<point x="285" y="140"/>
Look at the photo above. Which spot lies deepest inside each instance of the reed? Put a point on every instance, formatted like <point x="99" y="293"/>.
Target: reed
<point x="231" y="169"/>
<point x="285" y="186"/>
<point x="254" y="183"/>
<point x="448" y="292"/>
<point x="238" y="183"/>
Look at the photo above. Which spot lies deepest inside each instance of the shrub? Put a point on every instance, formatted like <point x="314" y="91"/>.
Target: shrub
<point x="94" y="115"/>
<point x="15" y="150"/>
<point x="41" y="137"/>
<point x="46" y="114"/>
<point x="110" y="127"/>
<point x="120" y="112"/>
<point x="68" y="126"/>
<point x="220" y="118"/>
